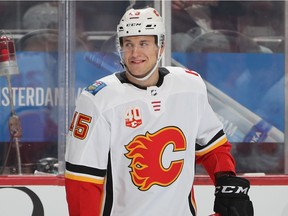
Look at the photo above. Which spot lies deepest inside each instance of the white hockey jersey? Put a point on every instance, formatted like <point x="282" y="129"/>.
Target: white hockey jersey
<point x="142" y="142"/>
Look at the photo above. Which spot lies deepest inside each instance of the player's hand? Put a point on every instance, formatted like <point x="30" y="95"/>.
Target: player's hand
<point x="231" y="197"/>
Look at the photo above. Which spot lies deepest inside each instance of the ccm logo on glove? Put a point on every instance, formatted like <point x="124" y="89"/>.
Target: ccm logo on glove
<point x="231" y="189"/>
<point x="231" y="197"/>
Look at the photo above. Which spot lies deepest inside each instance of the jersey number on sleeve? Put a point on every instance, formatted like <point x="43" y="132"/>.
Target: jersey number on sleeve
<point x="81" y="127"/>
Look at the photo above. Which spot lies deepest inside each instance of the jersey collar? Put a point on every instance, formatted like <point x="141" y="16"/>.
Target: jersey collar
<point x="162" y="72"/>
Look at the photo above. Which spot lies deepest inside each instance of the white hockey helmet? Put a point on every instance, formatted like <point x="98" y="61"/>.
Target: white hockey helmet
<point x="136" y="22"/>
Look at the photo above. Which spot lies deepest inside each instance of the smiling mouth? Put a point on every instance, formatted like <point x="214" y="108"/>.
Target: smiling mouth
<point x="137" y="61"/>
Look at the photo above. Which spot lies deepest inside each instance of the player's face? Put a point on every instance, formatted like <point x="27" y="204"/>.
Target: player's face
<point x="139" y="54"/>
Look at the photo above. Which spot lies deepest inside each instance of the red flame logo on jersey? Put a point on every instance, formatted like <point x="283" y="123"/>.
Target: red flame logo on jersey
<point x="146" y="154"/>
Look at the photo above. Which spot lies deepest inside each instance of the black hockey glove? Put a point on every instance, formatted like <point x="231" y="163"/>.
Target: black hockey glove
<point x="231" y="197"/>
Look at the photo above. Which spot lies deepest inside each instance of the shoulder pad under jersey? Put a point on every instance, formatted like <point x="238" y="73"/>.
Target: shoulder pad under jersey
<point x="95" y="87"/>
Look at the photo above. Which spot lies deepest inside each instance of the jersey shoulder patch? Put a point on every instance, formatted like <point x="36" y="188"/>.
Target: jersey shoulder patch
<point x="95" y="87"/>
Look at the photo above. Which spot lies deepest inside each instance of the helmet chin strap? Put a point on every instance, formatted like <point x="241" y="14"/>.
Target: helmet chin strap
<point x="148" y="75"/>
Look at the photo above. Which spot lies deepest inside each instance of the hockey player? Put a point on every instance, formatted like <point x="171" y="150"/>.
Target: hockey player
<point x="136" y="135"/>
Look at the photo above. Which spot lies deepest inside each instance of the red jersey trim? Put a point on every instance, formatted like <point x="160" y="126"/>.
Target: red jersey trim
<point x="84" y="178"/>
<point x="211" y="147"/>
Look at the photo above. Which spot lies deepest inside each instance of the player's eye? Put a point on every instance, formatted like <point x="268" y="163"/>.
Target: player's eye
<point x="144" y="44"/>
<point x="126" y="45"/>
